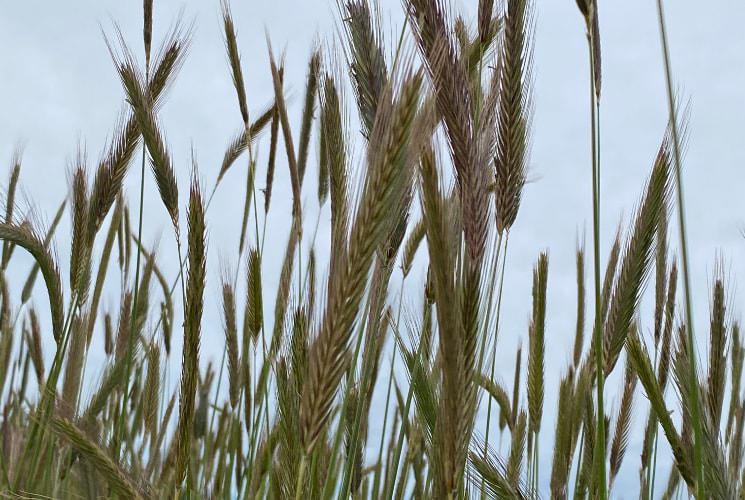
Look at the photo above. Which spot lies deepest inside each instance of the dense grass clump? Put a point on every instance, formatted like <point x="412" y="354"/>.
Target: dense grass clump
<point x="445" y="133"/>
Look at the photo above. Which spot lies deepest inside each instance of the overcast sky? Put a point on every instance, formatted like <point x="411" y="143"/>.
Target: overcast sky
<point x="58" y="89"/>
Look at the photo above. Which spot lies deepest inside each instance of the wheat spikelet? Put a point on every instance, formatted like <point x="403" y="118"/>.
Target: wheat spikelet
<point x="717" y="352"/>
<point x="6" y="340"/>
<point x="412" y="245"/>
<point x="623" y="424"/>
<point x="122" y="237"/>
<point x="353" y="447"/>
<point x="499" y="394"/>
<point x="323" y="165"/>
<point x="192" y="326"/>
<point x="10" y="203"/>
<point x="660" y="277"/>
<point x="489" y="469"/>
<point x="80" y="254"/>
<point x="124" y="329"/>
<point x="536" y="351"/>
<point x="516" y="382"/>
<point x="514" y="112"/>
<point x="231" y="45"/>
<point x="25" y="237"/>
<point x="107" y="183"/>
<point x="563" y="446"/>
<point x="667" y="333"/>
<point x="611" y="270"/>
<point x="461" y="33"/>
<point x="248" y="198"/>
<point x="147" y="29"/>
<point x="454" y="103"/>
<point x="284" y="121"/>
<point x="635" y="264"/>
<point x="719" y="483"/>
<point x="287" y="440"/>
<point x="452" y="91"/>
<point x="28" y="286"/>
<point x="240" y="140"/>
<point x="367" y="65"/>
<point x="143" y="108"/>
<point x="35" y="349"/>
<point x="332" y="130"/>
<point x="108" y="335"/>
<point x="231" y="341"/>
<point x="588" y="417"/>
<point x="299" y="347"/>
<point x="247" y="392"/>
<point x="426" y="326"/>
<point x="376" y="353"/>
<point x="451" y="351"/>
<point x="517" y="448"/>
<point x="589" y="11"/>
<point x="254" y="302"/>
<point x="579" y="336"/>
<point x="273" y="139"/>
<point x="201" y="414"/>
<point x="309" y="109"/>
<point x="152" y="391"/>
<point x="735" y="449"/>
<point x="486" y="8"/>
<point x="737" y="354"/>
<point x="312" y="285"/>
<point x="594" y="34"/>
<point x="389" y="170"/>
<point x="140" y="312"/>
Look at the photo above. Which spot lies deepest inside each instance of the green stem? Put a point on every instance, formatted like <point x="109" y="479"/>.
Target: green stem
<point x="597" y="330"/>
<point x="535" y="468"/>
<point x="119" y="429"/>
<point x="379" y="471"/>
<point x="693" y="382"/>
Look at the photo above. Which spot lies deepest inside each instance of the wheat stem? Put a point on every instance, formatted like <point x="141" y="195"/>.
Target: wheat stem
<point x="693" y="382"/>
<point x="597" y="330"/>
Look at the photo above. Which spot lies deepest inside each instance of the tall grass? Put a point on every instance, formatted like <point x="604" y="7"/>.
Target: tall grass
<point x="290" y="411"/>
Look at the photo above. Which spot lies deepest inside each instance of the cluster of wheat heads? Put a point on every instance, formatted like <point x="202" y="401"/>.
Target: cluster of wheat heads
<point x="444" y="130"/>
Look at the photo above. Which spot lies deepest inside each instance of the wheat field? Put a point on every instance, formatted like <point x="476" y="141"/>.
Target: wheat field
<point x="342" y="373"/>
